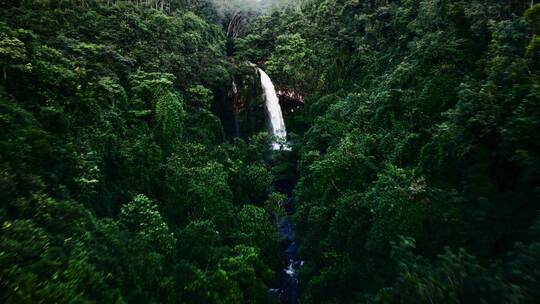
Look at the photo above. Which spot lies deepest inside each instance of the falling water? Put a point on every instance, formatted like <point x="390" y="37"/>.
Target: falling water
<point x="236" y="110"/>
<point x="276" y="124"/>
<point x="288" y="291"/>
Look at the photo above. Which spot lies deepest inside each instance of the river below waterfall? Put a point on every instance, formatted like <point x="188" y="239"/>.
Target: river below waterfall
<point x="287" y="289"/>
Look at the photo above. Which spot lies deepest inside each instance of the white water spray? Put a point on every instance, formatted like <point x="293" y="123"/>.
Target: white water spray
<point x="273" y="110"/>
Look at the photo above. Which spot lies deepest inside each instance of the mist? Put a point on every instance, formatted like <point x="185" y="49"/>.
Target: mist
<point x="252" y="5"/>
<point x="236" y="14"/>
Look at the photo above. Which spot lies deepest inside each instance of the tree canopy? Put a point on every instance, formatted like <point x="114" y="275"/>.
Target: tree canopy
<point x="135" y="166"/>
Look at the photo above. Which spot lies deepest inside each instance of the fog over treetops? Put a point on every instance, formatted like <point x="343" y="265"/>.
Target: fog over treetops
<point x="240" y="151"/>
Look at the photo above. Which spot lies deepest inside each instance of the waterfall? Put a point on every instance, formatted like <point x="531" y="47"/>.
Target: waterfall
<point x="288" y="288"/>
<point x="276" y="124"/>
<point x="236" y="109"/>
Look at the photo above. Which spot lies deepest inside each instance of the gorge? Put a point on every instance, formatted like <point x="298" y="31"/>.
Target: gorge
<point x="144" y="160"/>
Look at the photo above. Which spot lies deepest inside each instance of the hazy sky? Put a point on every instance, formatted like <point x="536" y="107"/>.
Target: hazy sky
<point x="247" y="4"/>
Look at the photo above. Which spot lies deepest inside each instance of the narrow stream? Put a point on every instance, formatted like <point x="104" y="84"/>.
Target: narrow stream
<point x="289" y="284"/>
<point x="287" y="288"/>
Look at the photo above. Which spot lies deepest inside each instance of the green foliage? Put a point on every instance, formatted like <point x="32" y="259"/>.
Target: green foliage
<point x="255" y="225"/>
<point x="12" y="51"/>
<point x="116" y="182"/>
<point x="198" y="241"/>
<point x="169" y="117"/>
<point x="142" y="218"/>
<point x="238" y="279"/>
<point x="454" y="277"/>
<point x="251" y="182"/>
<point x="275" y="204"/>
<point x="50" y="264"/>
<point x="417" y="154"/>
<point x="523" y="270"/>
<point x="199" y="96"/>
<point x="532" y="16"/>
<point x="291" y="61"/>
<point x="420" y="120"/>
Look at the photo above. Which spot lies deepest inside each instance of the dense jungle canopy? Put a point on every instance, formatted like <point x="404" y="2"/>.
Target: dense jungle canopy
<point x="135" y="164"/>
